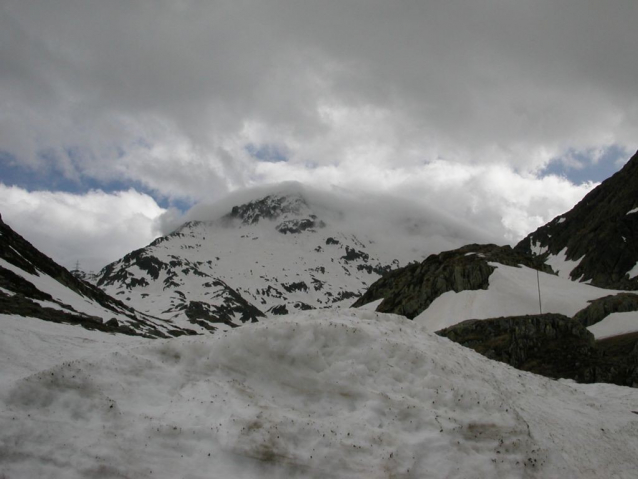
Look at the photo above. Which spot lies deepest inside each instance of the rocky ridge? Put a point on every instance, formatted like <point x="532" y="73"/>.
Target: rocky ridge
<point x="599" y="235"/>
<point x="410" y="290"/>
<point x="33" y="285"/>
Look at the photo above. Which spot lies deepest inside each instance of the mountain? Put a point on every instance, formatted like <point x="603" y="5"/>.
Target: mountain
<point x="33" y="285"/>
<point x="411" y="290"/>
<point x="545" y="306"/>
<point x="319" y="394"/>
<point x="276" y="254"/>
<point x="597" y="240"/>
<point x="579" y="257"/>
<point x="489" y="281"/>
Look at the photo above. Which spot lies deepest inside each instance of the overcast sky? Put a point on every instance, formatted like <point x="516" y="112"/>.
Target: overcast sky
<point x="117" y="114"/>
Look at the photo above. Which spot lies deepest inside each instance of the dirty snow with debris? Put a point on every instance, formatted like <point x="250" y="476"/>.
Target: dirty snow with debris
<point x="346" y="393"/>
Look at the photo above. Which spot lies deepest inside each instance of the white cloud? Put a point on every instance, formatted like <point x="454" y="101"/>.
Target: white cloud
<point x="93" y="228"/>
<point x="458" y="106"/>
<point x="340" y="84"/>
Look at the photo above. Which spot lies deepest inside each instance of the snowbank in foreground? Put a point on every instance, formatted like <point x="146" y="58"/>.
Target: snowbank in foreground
<point x="29" y="345"/>
<point x="320" y="394"/>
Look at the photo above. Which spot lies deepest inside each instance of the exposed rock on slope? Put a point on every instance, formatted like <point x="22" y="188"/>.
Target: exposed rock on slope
<point x="33" y="285"/>
<point x="155" y="279"/>
<point x="410" y="290"/>
<point x="551" y="345"/>
<point x="599" y="236"/>
<point x="600" y="308"/>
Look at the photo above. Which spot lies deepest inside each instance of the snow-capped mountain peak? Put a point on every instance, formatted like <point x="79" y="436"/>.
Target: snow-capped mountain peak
<point x="280" y="252"/>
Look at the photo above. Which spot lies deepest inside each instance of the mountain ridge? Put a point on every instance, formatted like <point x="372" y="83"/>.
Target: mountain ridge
<point x="279" y="253"/>
<point x="33" y="285"/>
<point x="597" y="240"/>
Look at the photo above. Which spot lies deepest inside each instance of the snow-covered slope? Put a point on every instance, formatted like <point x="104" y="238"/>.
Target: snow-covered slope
<point x="276" y="254"/>
<point x="512" y="291"/>
<point x="321" y="394"/>
<point x="616" y="324"/>
<point x="33" y="285"/>
<point x="489" y="281"/>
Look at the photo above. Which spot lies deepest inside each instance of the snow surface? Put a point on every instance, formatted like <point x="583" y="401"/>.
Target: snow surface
<point x="561" y="264"/>
<point x="339" y="394"/>
<point x="633" y="272"/>
<point x="29" y="345"/>
<point x="512" y="292"/>
<point x="537" y="249"/>
<point x="615" y="324"/>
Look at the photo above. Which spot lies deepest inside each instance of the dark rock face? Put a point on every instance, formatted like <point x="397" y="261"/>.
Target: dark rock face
<point x="618" y="362"/>
<point x="410" y="290"/>
<point x="551" y="345"/>
<point x="298" y="286"/>
<point x="598" y="230"/>
<point x="297" y="226"/>
<point x="207" y="315"/>
<point x="271" y="207"/>
<point x="279" y="310"/>
<point x="600" y="308"/>
<point x="150" y="264"/>
<point x="354" y="255"/>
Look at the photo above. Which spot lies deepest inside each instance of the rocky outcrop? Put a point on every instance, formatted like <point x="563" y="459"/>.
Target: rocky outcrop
<point x="232" y="313"/>
<point x="618" y="363"/>
<point x="410" y="290"/>
<point x="601" y="232"/>
<point x="552" y="345"/>
<point x="549" y="344"/>
<point x="270" y="207"/>
<point x="600" y="308"/>
<point x="296" y="226"/>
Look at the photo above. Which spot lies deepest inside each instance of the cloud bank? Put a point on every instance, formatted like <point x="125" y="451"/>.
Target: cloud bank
<point x="462" y="106"/>
<point x="92" y="229"/>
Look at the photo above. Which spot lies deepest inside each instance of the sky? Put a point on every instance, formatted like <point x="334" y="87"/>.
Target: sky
<point x="118" y="115"/>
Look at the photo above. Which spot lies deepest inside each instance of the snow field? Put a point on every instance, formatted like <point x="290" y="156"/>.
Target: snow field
<point x="29" y="345"/>
<point x="512" y="292"/>
<point x="344" y="393"/>
<point x="615" y="324"/>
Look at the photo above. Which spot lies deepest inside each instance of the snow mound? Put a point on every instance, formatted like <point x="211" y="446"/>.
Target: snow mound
<point x="318" y="394"/>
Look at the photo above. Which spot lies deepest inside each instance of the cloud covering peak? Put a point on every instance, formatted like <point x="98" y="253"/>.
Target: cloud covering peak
<point x="475" y="101"/>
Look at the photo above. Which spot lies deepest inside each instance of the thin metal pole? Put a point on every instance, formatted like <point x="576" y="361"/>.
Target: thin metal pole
<point x="538" y="281"/>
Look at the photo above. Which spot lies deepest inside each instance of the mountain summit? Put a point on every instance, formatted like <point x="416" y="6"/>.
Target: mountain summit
<point x="281" y="252"/>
